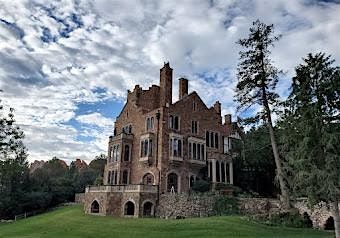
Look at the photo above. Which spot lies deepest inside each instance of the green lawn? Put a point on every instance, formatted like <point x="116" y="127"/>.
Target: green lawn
<point x="71" y="222"/>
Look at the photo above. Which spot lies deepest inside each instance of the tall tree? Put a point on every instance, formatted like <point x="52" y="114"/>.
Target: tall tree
<point x="311" y="132"/>
<point x="13" y="164"/>
<point x="257" y="79"/>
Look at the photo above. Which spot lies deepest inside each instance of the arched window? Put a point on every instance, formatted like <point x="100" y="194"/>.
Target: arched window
<point x="126" y="153"/>
<point x="148" y="179"/>
<point x="172" y="182"/>
<point x="125" y="179"/>
<point x="148" y="209"/>
<point x="129" y="209"/>
<point x="95" y="207"/>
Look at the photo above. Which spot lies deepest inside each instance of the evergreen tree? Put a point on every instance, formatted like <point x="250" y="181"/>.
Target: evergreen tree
<point x="13" y="165"/>
<point x="257" y="79"/>
<point x="311" y="132"/>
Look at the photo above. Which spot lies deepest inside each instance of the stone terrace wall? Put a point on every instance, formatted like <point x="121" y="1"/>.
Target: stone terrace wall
<point x="183" y="205"/>
<point x="79" y="198"/>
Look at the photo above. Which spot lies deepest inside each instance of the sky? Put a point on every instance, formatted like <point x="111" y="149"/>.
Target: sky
<point x="66" y="65"/>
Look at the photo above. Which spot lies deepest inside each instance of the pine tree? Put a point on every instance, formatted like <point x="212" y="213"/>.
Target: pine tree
<point x="311" y="132"/>
<point x="257" y="79"/>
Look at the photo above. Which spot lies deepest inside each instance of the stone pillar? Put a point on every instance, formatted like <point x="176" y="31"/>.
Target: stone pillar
<point x="231" y="173"/>
<point x="225" y="173"/>
<point x="213" y="171"/>
<point x="220" y="171"/>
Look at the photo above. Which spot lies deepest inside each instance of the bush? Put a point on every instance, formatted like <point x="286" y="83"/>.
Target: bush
<point x="201" y="186"/>
<point x="288" y="219"/>
<point x="226" y="205"/>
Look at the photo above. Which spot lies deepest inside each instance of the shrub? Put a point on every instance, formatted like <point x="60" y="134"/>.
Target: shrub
<point x="226" y="205"/>
<point x="201" y="186"/>
<point x="288" y="219"/>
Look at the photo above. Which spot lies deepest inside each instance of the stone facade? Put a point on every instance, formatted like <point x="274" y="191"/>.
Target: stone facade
<point x="158" y="142"/>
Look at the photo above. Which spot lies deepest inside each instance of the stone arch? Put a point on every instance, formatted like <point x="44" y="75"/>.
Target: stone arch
<point x="129" y="208"/>
<point x="148" y="208"/>
<point x="329" y="224"/>
<point x="95" y="207"/>
<point x="173" y="182"/>
<point x="307" y="220"/>
<point x="148" y="179"/>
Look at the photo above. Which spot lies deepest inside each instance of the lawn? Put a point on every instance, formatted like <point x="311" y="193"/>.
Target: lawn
<point x="72" y="222"/>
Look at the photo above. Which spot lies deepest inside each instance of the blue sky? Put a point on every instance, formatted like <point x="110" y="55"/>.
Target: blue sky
<point x="66" y="65"/>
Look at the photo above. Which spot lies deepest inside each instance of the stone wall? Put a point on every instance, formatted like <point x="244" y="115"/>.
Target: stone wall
<point x="183" y="205"/>
<point x="79" y="198"/>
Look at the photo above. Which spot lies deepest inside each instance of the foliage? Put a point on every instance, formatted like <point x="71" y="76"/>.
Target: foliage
<point x="201" y="186"/>
<point x="287" y="219"/>
<point x="226" y="205"/>
<point x="72" y="222"/>
<point x="311" y="130"/>
<point x="254" y="172"/>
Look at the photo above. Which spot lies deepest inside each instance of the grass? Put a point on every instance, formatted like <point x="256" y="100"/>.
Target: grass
<point x="72" y="222"/>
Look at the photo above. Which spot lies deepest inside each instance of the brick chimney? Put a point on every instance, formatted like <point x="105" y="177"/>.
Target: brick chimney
<point x="183" y="88"/>
<point x="217" y="107"/>
<point x="227" y="119"/>
<point x="165" y="85"/>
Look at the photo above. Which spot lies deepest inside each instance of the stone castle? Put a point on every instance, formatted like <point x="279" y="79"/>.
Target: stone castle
<point x="162" y="147"/>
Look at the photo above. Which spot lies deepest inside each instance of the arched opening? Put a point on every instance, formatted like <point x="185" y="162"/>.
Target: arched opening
<point x="192" y="181"/>
<point x="307" y="221"/>
<point x="172" y="182"/>
<point x="129" y="209"/>
<point x="148" y="179"/>
<point x="94" y="207"/>
<point x="329" y="225"/>
<point x="126" y="153"/>
<point x="125" y="176"/>
<point x="148" y="209"/>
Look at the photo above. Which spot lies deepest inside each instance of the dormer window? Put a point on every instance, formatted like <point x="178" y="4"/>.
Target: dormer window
<point x="174" y="122"/>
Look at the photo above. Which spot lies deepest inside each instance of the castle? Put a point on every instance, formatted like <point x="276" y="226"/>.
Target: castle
<point x="159" y="147"/>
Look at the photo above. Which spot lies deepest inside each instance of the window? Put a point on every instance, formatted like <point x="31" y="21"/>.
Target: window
<point x="194" y="127"/>
<point x="194" y="106"/>
<point x="127" y="129"/>
<point x="149" y="123"/>
<point x="127" y="153"/>
<point x="146" y="146"/>
<point x="176" y="147"/>
<point x="109" y="175"/>
<point x="125" y="176"/>
<point x="212" y="139"/>
<point x="115" y="153"/>
<point x="196" y="149"/>
<point x="174" y="122"/>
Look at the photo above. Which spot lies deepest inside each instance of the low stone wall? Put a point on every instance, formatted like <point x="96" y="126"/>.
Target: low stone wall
<point x="254" y="206"/>
<point x="184" y="205"/>
<point x="79" y="198"/>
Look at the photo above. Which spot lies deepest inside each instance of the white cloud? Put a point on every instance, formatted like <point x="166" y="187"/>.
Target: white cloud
<point x="116" y="44"/>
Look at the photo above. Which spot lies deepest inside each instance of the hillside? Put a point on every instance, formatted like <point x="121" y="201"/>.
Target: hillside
<point x="71" y="222"/>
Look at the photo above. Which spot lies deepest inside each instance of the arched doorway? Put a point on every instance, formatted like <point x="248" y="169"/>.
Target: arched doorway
<point x="95" y="207"/>
<point x="148" y="179"/>
<point x="129" y="209"/>
<point x="192" y="181"/>
<point x="148" y="209"/>
<point x="329" y="225"/>
<point x="172" y="182"/>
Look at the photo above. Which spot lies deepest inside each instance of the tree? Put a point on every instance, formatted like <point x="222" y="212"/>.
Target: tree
<point x="13" y="165"/>
<point x="257" y="79"/>
<point x="98" y="165"/>
<point x="311" y="132"/>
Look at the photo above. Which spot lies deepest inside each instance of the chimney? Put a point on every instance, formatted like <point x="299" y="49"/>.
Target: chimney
<point x="217" y="107"/>
<point x="165" y="85"/>
<point x="183" y="88"/>
<point x="227" y="119"/>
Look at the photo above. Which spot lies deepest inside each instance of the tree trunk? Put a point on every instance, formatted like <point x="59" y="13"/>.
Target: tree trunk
<point x="284" y="191"/>
<point x="336" y="215"/>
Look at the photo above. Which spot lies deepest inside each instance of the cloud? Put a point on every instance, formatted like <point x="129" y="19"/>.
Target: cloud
<point x="56" y="56"/>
